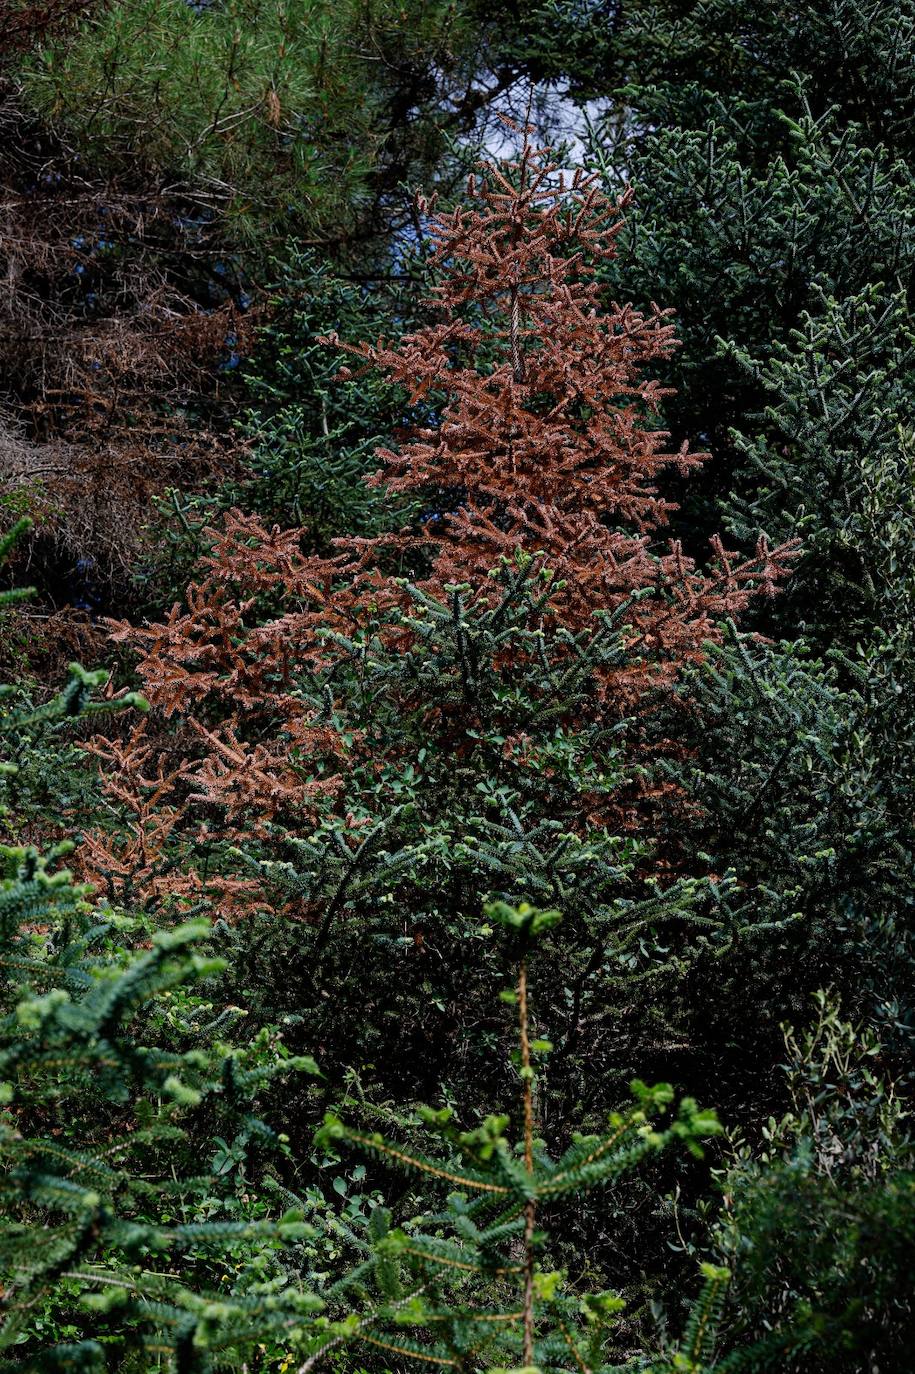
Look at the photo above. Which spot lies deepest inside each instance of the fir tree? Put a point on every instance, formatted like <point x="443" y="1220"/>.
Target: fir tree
<point x="545" y="448"/>
<point x="465" y="1288"/>
<point x="102" y="1117"/>
<point x="99" y="1152"/>
<point x="313" y="437"/>
<point x="387" y="753"/>
<point x="820" y="1222"/>
<point x="546" y="437"/>
<point x="774" y="199"/>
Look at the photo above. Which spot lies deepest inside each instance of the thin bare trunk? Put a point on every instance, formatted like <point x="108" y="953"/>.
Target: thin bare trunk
<point x="530" y="1211"/>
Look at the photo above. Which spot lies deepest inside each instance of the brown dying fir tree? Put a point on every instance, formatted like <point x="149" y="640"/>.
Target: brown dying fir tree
<point x="548" y="438"/>
<point x="543" y="437"/>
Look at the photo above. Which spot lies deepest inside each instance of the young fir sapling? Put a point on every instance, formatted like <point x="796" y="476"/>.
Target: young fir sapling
<point x="465" y="1288"/>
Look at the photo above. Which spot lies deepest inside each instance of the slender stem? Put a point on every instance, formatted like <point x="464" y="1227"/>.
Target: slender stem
<point x="530" y="1210"/>
<point x="528" y="1091"/>
<point x="514" y="341"/>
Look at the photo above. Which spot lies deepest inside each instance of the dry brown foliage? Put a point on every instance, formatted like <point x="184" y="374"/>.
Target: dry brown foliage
<point x="548" y="439"/>
<point x="25" y="22"/>
<point x="111" y="389"/>
<point x="545" y="439"/>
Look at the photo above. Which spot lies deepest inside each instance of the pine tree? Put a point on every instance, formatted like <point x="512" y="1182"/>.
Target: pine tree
<point x="282" y="116"/>
<point x="156" y="154"/>
<point x="119" y="325"/>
